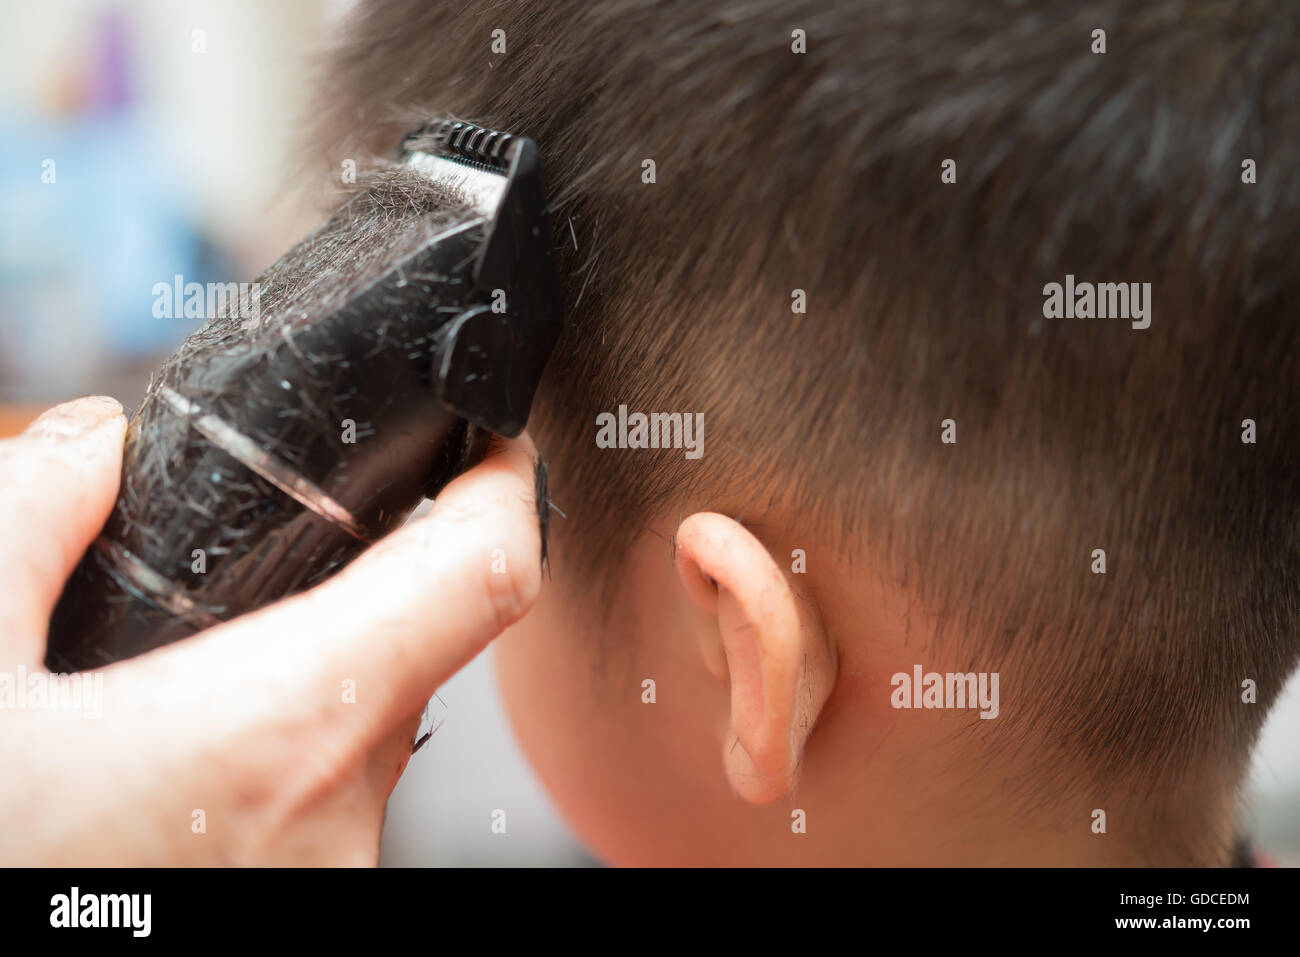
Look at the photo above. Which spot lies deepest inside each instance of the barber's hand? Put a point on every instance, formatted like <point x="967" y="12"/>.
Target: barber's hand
<point x="272" y="739"/>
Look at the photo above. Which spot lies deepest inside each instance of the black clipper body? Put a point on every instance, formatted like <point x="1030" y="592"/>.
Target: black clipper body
<point x="240" y="484"/>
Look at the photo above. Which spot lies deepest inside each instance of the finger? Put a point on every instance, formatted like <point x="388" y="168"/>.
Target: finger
<point x="58" y="481"/>
<point x="390" y="757"/>
<point x="369" y="647"/>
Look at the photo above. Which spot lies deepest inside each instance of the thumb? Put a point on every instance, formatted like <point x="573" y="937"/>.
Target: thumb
<point x="362" y="652"/>
<point x="58" y="481"/>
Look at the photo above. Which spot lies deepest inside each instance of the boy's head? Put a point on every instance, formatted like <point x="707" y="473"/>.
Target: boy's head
<point x="914" y="452"/>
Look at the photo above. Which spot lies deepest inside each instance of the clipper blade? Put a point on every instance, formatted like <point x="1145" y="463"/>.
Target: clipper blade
<point x="471" y="161"/>
<point x="494" y="352"/>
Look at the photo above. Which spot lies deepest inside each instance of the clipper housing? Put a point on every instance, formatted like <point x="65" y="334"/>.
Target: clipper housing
<point x="236" y="456"/>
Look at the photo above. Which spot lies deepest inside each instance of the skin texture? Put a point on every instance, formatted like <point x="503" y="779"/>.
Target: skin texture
<point x="772" y="696"/>
<point x="247" y="721"/>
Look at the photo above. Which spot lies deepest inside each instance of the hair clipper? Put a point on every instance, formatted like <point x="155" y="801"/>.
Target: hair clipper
<point x="241" y="483"/>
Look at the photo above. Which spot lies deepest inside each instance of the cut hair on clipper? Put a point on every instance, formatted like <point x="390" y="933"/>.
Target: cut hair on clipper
<point x="391" y="345"/>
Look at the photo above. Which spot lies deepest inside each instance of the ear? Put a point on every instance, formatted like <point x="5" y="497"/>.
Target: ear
<point x="765" y="641"/>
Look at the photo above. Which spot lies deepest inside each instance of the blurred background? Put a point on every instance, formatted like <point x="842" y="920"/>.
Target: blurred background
<point x="147" y="139"/>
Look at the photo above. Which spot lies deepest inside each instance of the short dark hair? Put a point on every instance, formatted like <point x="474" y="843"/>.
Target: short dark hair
<point x="821" y="171"/>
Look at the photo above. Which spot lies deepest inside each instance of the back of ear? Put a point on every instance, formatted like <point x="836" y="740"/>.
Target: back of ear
<point x="765" y="641"/>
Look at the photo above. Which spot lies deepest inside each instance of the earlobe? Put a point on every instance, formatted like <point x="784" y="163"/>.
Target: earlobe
<point x="765" y="642"/>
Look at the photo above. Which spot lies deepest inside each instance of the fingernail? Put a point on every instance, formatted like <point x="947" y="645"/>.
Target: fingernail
<point x="71" y="419"/>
